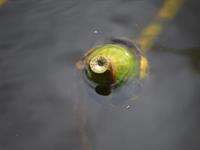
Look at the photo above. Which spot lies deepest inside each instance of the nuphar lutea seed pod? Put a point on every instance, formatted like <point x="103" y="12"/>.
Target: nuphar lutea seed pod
<point x="115" y="68"/>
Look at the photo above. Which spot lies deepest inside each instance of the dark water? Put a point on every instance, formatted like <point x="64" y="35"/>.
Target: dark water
<point x="40" y="41"/>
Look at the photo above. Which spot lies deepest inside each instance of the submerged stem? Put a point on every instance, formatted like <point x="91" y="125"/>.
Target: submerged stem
<point x="167" y="12"/>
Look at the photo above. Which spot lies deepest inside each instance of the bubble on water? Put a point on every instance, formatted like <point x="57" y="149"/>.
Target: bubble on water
<point x="95" y="31"/>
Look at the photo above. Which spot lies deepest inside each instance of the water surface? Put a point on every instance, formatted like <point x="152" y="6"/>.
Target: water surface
<point x="41" y="40"/>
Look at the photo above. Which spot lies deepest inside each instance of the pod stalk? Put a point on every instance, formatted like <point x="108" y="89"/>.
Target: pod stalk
<point x="99" y="64"/>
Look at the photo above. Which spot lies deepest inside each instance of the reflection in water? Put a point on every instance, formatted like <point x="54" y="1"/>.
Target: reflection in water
<point x="41" y="40"/>
<point x="3" y="2"/>
<point x="167" y="12"/>
<point x="106" y="77"/>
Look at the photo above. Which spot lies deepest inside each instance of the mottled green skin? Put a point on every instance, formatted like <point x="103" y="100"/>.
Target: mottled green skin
<point x="123" y="62"/>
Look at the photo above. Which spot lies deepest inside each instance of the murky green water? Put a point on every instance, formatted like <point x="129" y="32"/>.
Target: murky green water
<point x="40" y="41"/>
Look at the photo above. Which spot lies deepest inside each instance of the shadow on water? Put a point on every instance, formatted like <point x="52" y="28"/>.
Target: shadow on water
<point x="40" y="42"/>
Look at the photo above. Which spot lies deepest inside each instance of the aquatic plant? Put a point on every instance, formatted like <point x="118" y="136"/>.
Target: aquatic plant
<point x="117" y="65"/>
<point x="108" y="67"/>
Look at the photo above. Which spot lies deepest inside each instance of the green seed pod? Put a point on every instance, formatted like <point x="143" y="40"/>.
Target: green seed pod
<point x="109" y="66"/>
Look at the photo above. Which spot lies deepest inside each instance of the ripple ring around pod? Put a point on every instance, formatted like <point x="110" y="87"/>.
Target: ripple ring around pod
<point x="110" y="66"/>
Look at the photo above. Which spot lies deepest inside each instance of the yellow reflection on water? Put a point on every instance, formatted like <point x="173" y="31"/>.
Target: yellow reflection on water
<point x="167" y="12"/>
<point x="2" y="2"/>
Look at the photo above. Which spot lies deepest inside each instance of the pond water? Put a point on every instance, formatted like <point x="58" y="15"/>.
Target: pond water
<point x="40" y="42"/>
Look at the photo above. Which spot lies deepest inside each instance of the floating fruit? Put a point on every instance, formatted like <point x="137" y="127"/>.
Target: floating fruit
<point x="114" y="68"/>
